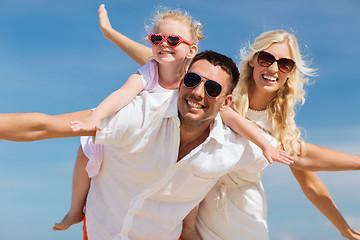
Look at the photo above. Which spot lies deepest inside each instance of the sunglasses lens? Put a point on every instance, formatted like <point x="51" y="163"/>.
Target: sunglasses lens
<point x="265" y="59"/>
<point x="212" y="88"/>
<point x="156" y="39"/>
<point x="286" y="65"/>
<point x="191" y="80"/>
<point x="173" y="40"/>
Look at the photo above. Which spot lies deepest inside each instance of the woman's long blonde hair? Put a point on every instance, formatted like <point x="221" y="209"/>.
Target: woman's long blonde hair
<point x="281" y="108"/>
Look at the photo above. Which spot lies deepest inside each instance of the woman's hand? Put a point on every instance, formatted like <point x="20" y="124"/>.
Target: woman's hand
<point x="351" y="234"/>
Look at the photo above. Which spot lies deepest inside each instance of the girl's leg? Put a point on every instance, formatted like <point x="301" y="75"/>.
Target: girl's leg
<point x="80" y="188"/>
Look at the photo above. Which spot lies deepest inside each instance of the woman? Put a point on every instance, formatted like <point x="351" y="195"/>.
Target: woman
<point x="268" y="91"/>
<point x="271" y="83"/>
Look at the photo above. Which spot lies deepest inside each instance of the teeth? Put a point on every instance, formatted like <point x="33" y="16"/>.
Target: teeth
<point x="165" y="52"/>
<point x="194" y="105"/>
<point x="270" y="78"/>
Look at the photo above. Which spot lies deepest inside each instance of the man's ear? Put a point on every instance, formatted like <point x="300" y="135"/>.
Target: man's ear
<point x="181" y="82"/>
<point x="192" y="52"/>
<point x="227" y="102"/>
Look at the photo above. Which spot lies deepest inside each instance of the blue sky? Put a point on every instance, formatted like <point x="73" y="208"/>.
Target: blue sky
<point x="54" y="59"/>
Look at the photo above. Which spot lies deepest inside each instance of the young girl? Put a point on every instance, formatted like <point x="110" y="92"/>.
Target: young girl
<point x="174" y="43"/>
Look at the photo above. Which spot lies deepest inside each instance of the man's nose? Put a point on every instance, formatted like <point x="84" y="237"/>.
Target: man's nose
<point x="199" y="90"/>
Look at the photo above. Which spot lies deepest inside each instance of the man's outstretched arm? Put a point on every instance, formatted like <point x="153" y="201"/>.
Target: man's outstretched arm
<point x="24" y="127"/>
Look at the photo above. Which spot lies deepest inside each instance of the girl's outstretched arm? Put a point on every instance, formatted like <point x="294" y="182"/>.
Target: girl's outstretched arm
<point x="111" y="105"/>
<point x="318" y="158"/>
<point x="317" y="193"/>
<point x="138" y="52"/>
<point x="244" y="128"/>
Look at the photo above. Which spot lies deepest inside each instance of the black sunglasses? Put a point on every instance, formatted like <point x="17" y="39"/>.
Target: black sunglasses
<point x="266" y="59"/>
<point x="212" y="88"/>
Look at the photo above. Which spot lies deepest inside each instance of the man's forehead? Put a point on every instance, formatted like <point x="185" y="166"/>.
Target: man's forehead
<point x="208" y="71"/>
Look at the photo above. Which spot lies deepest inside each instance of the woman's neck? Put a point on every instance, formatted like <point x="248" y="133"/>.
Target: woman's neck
<point x="170" y="75"/>
<point x="259" y="100"/>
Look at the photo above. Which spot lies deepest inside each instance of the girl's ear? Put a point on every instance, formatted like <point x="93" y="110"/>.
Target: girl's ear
<point x="192" y="52"/>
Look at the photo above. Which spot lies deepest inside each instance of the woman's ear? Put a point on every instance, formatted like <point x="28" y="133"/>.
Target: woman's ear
<point x="292" y="73"/>
<point x="192" y="52"/>
<point x="251" y="62"/>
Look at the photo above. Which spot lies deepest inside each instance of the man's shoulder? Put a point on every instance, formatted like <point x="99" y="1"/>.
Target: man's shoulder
<point x="142" y="116"/>
<point x="149" y="106"/>
<point x="225" y="135"/>
<point x="157" y="103"/>
<point x="155" y="98"/>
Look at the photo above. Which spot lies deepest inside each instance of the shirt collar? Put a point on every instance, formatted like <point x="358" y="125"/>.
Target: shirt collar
<point x="217" y="128"/>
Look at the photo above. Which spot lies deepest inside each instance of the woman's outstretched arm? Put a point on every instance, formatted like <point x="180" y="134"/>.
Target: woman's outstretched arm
<point x="318" y="158"/>
<point x="317" y="193"/>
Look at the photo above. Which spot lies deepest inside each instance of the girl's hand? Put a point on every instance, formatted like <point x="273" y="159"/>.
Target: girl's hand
<point x="87" y="124"/>
<point x="104" y="21"/>
<point x="272" y="154"/>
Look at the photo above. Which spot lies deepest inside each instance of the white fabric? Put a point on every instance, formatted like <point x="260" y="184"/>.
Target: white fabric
<point x="141" y="191"/>
<point x="94" y="152"/>
<point x="236" y="207"/>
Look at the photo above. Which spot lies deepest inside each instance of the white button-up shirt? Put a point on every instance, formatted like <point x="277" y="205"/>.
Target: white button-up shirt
<point x="142" y="192"/>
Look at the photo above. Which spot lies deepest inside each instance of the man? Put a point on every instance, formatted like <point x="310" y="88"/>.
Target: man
<point x="163" y="152"/>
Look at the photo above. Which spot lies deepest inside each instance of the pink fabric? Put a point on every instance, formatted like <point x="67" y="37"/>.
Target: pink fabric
<point x="95" y="154"/>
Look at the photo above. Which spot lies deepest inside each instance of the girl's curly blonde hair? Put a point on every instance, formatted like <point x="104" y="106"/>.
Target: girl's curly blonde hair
<point x="179" y="15"/>
<point x="281" y="108"/>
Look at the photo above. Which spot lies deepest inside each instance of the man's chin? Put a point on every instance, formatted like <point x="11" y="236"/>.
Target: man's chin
<point x="195" y="119"/>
